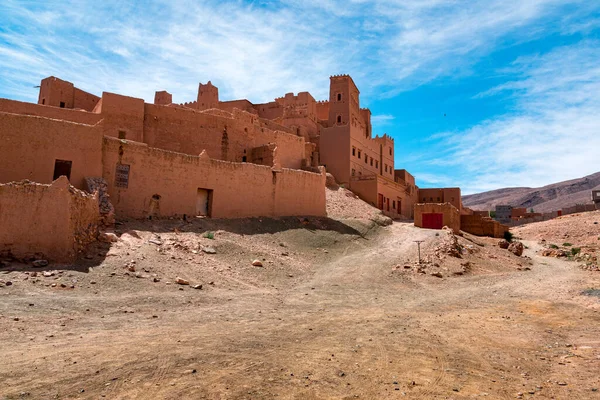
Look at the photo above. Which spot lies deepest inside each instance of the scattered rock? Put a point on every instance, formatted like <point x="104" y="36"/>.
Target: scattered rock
<point x="182" y="281"/>
<point x="503" y="244"/>
<point x="209" y="250"/>
<point x="8" y="283"/>
<point x="437" y="274"/>
<point x="257" y="263"/>
<point x="108" y="237"/>
<point x="516" y="248"/>
<point x="156" y="280"/>
<point x="39" y="263"/>
<point x="199" y="287"/>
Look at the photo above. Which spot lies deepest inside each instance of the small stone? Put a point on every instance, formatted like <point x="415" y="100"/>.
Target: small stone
<point x="341" y="374"/>
<point x="108" y="237"/>
<point x="39" y="263"/>
<point x="199" y="287"/>
<point x="437" y="274"/>
<point x="182" y="281"/>
<point x="8" y="283"/>
<point x="131" y="268"/>
<point x="92" y="282"/>
<point x="562" y="383"/>
<point x="15" y="318"/>
<point x="257" y="263"/>
<point x="209" y="250"/>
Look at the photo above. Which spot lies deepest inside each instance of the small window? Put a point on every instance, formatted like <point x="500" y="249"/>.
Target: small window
<point x="244" y="159"/>
<point x="62" y="104"/>
<point x="376" y="164"/>
<point x="371" y="161"/>
<point x="390" y="151"/>
<point x="122" y="135"/>
<point x="339" y="97"/>
<point x="359" y="154"/>
<point x="385" y="167"/>
<point x="394" y="204"/>
<point x="438" y="199"/>
<point x="62" y="167"/>
<point x="366" y="159"/>
<point x="354" y="151"/>
<point x="43" y="101"/>
<point x="339" y="119"/>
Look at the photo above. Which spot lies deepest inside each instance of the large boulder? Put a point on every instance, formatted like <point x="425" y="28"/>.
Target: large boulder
<point x="516" y="248"/>
<point x="503" y="244"/>
<point x="330" y="182"/>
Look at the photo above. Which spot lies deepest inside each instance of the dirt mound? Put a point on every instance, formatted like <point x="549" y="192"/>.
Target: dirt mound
<point x="343" y="204"/>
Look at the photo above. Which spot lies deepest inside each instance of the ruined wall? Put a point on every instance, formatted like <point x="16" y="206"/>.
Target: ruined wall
<point x="53" y="221"/>
<point x="239" y="189"/>
<point x="223" y="136"/>
<point x="31" y="145"/>
<point x="451" y="215"/>
<point x="19" y="107"/>
<point x="482" y="226"/>
<point x="123" y="116"/>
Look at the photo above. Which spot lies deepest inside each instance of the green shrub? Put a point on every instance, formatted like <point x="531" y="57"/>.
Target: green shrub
<point x="209" y="235"/>
<point x="492" y="214"/>
<point x="575" y="250"/>
<point x="508" y="236"/>
<point x="567" y="244"/>
<point x="553" y="246"/>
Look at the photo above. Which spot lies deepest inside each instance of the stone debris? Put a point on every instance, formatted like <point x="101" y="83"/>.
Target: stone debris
<point x="209" y="250"/>
<point x="516" y="248"/>
<point x="449" y="245"/>
<point x="503" y="244"/>
<point x="182" y="281"/>
<point x="199" y="287"/>
<point x="108" y="237"/>
<point x="257" y="263"/>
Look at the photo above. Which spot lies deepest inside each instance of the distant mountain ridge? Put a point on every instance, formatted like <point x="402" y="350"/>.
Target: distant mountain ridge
<point x="548" y="198"/>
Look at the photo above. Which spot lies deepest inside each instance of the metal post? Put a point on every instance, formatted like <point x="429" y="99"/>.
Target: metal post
<point x="418" y="242"/>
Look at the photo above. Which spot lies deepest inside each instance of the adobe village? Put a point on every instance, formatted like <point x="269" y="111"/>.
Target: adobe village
<point x="230" y="250"/>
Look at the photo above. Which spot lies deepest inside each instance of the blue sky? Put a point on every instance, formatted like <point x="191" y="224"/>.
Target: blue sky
<point x="477" y="94"/>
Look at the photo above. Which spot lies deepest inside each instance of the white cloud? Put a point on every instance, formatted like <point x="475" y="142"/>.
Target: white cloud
<point x="258" y="50"/>
<point x="553" y="135"/>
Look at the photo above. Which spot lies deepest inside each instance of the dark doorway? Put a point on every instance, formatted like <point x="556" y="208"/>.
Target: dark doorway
<point x="62" y="167"/>
<point x="62" y="104"/>
<point x="204" y="202"/>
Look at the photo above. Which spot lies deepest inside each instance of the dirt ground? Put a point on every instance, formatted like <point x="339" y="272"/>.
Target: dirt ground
<point x="339" y="310"/>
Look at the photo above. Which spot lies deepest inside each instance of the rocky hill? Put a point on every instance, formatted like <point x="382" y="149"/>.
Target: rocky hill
<point x="548" y="198"/>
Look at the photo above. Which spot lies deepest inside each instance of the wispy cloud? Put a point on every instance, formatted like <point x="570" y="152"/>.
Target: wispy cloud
<point x="553" y="135"/>
<point x="251" y="50"/>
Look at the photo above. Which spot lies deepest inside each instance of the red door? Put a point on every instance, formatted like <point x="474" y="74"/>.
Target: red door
<point x="433" y="221"/>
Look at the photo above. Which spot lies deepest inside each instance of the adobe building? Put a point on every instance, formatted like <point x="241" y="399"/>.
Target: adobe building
<point x="338" y="136"/>
<point x="161" y="159"/>
<point x="213" y="158"/>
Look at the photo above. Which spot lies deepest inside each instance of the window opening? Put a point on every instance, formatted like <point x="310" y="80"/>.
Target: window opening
<point x="62" y="167"/>
<point x="62" y="104"/>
